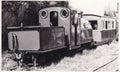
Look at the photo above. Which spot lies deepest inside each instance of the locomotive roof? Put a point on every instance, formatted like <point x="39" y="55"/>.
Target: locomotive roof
<point x="54" y="7"/>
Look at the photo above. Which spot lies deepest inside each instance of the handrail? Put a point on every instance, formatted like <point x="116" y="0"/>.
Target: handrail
<point x="29" y="27"/>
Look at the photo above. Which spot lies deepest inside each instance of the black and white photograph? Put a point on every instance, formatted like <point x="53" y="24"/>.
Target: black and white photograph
<point x="63" y="35"/>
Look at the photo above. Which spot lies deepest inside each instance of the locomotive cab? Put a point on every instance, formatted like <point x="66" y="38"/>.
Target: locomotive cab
<point x="56" y="17"/>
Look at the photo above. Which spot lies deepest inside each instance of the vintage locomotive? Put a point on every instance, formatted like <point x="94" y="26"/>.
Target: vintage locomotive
<point x="60" y="28"/>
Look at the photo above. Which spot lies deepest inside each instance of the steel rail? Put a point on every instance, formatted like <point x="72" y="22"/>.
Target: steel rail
<point x="105" y="64"/>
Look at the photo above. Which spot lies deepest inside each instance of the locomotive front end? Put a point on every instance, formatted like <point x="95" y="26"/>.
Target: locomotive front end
<point x="36" y="39"/>
<point x="24" y="40"/>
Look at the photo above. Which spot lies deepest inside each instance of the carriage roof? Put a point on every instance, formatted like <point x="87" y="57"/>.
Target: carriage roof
<point x="98" y="16"/>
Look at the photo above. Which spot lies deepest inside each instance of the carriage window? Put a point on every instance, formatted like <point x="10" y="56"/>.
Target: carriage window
<point x="106" y="25"/>
<point x="103" y="24"/>
<point x="93" y="24"/>
<point x="112" y="24"/>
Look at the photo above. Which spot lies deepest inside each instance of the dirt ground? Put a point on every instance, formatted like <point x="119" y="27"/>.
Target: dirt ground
<point x="88" y="60"/>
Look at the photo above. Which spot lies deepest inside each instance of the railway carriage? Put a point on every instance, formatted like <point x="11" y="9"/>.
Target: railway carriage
<point x="104" y="28"/>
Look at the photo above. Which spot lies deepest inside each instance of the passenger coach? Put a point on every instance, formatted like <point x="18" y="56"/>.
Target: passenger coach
<point x="104" y="28"/>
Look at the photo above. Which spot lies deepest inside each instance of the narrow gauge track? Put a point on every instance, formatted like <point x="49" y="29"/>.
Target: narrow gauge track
<point x="105" y="64"/>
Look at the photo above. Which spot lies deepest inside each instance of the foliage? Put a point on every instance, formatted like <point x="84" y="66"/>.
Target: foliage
<point x="110" y="13"/>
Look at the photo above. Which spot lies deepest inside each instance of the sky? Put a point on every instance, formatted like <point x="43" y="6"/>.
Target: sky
<point x="94" y="6"/>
